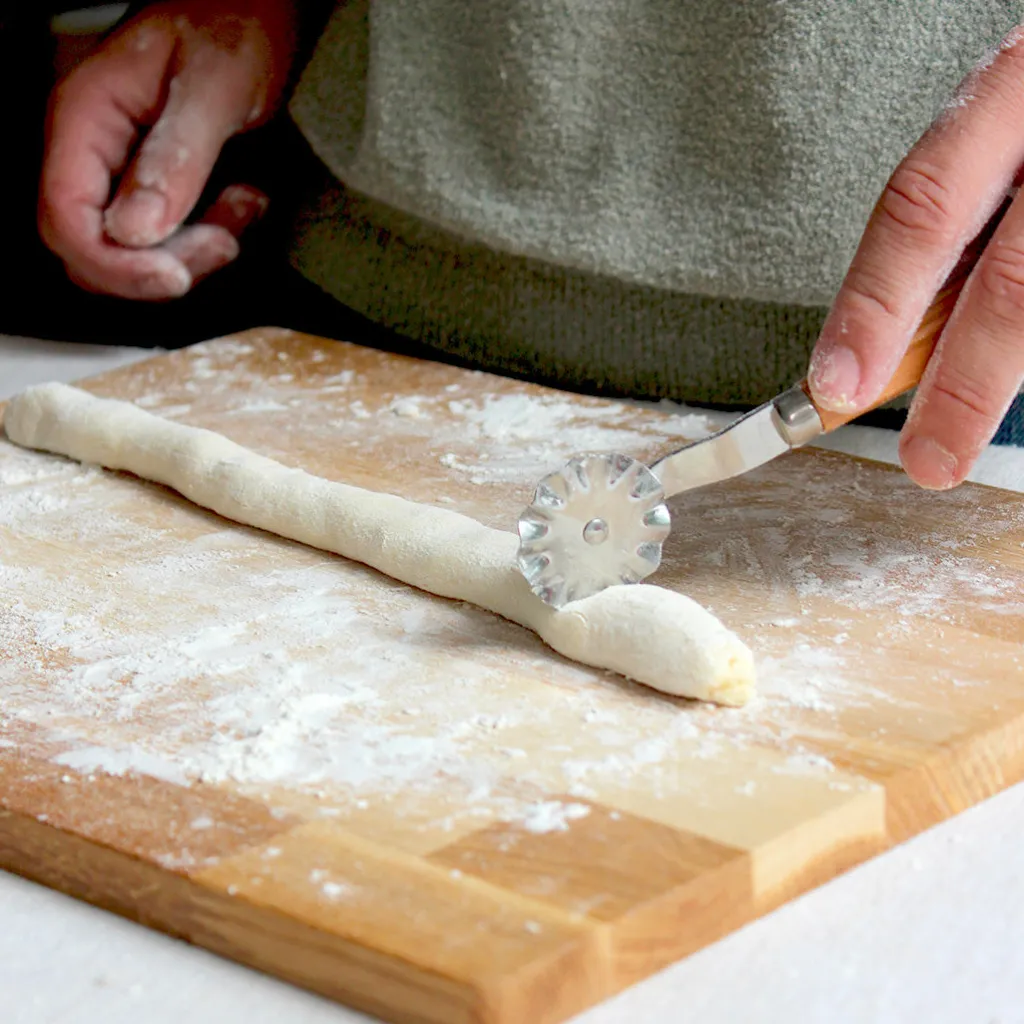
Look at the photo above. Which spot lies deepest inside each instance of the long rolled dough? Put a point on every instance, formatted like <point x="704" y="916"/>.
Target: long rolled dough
<point x="647" y="633"/>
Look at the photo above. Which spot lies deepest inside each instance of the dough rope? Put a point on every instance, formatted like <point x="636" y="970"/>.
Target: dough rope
<point x="652" y="635"/>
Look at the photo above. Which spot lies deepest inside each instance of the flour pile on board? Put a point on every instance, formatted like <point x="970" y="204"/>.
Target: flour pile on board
<point x="552" y="816"/>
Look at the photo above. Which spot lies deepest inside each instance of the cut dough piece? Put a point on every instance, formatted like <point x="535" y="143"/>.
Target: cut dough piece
<point x="647" y="633"/>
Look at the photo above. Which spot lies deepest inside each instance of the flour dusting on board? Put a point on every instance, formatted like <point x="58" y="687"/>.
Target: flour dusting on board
<point x="552" y="816"/>
<point x="144" y="635"/>
<point x="483" y="438"/>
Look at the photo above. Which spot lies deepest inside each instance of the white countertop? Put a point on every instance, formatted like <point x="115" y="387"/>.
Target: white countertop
<point x="932" y="931"/>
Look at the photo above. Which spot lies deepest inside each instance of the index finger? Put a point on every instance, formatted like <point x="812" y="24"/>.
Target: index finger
<point x="936" y="201"/>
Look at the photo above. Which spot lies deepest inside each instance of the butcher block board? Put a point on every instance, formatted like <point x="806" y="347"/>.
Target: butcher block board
<point x="414" y="807"/>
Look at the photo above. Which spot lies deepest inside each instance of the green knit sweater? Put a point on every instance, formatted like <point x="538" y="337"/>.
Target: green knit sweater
<point x="646" y="197"/>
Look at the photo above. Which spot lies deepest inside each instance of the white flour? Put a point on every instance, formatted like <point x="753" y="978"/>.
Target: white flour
<point x="552" y="816"/>
<point x="496" y="438"/>
<point x="236" y="658"/>
<point x="240" y="659"/>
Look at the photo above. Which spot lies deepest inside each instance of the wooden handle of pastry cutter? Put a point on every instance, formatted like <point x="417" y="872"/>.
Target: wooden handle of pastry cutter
<point x="908" y="374"/>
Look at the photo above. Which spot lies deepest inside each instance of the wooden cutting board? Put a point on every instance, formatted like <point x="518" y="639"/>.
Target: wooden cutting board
<point x="414" y="807"/>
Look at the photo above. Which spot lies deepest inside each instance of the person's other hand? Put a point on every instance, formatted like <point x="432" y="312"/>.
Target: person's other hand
<point x="133" y="134"/>
<point x="939" y="198"/>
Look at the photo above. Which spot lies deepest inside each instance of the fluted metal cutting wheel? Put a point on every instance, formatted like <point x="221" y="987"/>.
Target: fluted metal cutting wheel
<point x="598" y="521"/>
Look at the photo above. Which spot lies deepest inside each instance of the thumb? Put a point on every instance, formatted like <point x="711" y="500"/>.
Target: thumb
<point x="207" y="102"/>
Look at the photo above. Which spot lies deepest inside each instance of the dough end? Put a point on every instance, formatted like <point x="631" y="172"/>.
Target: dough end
<point x="736" y="689"/>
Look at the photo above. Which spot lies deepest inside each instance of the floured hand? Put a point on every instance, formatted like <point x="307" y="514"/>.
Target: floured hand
<point x="150" y="111"/>
<point x="938" y="200"/>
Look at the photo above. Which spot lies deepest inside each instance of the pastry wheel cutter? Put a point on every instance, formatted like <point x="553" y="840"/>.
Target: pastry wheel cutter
<point x="601" y="519"/>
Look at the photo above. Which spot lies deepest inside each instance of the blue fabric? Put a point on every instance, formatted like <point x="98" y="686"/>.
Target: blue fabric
<point x="1011" y="430"/>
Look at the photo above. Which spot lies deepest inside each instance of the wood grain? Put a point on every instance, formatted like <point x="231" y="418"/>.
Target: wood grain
<point x="667" y="892"/>
<point x="442" y="938"/>
<point x="415" y="808"/>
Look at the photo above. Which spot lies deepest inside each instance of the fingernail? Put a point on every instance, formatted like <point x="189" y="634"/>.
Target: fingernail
<point x="245" y="205"/>
<point x="138" y="220"/>
<point x="929" y="463"/>
<point x="835" y="377"/>
<point x="171" y="283"/>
